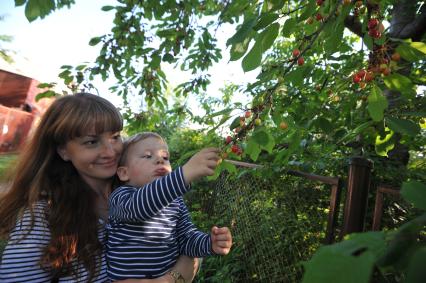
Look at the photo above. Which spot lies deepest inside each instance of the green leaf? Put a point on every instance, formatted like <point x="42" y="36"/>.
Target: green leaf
<point x="253" y="59"/>
<point x="265" y="19"/>
<point x="324" y="124"/>
<point x="334" y="39"/>
<point x="308" y="11"/>
<point x="32" y="10"/>
<point x="243" y="32"/>
<point x="384" y="145"/>
<point x="288" y="27"/>
<point x="225" y="111"/>
<point x="420" y="46"/>
<point x="368" y="41"/>
<point x="416" y="267"/>
<point x="354" y="256"/>
<point x="221" y="167"/>
<point x="398" y="82"/>
<point x="239" y="49"/>
<point x="377" y="104"/>
<point x="415" y="193"/>
<point x="48" y="93"/>
<point x="268" y="36"/>
<point x="296" y="76"/>
<point x="409" y="53"/>
<point x="349" y="136"/>
<point x="406" y="127"/>
<point x="334" y="263"/>
<point x="253" y="149"/>
<point x="20" y="2"/>
<point x="95" y="40"/>
<point x="261" y="137"/>
<point x="272" y="5"/>
<point x="107" y="8"/>
<point x="235" y="123"/>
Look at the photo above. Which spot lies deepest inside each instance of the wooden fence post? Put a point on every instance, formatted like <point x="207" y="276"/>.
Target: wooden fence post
<point x="357" y="195"/>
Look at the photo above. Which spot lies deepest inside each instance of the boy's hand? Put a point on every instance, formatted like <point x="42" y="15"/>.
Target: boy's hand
<point x="221" y="240"/>
<point x="202" y="164"/>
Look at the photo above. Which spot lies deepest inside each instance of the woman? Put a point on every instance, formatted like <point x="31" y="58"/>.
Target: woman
<point x="54" y="213"/>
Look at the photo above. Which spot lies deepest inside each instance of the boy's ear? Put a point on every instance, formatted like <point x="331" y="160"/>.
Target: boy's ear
<point x="62" y="153"/>
<point x="122" y="173"/>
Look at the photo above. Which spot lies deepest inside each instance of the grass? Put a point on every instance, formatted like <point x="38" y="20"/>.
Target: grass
<point x="5" y="162"/>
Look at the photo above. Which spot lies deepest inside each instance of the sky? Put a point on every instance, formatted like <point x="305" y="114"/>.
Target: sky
<point x="61" y="38"/>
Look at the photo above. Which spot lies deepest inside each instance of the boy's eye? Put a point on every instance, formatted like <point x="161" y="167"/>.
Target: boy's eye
<point x="165" y="157"/>
<point x="116" y="136"/>
<point x="147" y="156"/>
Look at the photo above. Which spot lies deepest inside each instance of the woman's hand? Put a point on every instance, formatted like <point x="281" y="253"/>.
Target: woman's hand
<point x="163" y="279"/>
<point x="221" y="240"/>
<point x="187" y="266"/>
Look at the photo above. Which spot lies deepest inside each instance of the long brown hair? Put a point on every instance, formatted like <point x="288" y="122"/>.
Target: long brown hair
<point x="42" y="174"/>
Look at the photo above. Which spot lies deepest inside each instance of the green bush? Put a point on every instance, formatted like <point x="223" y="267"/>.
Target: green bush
<point x="5" y="162"/>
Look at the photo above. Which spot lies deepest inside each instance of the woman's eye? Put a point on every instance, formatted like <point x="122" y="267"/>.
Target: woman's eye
<point x="90" y="142"/>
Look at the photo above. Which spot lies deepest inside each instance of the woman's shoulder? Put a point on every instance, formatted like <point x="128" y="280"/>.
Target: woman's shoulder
<point x="33" y="218"/>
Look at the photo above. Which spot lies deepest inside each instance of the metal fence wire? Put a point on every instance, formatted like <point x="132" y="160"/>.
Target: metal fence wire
<point x="276" y="223"/>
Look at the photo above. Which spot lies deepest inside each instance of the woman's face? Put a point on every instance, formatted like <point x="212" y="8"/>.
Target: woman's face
<point x="95" y="156"/>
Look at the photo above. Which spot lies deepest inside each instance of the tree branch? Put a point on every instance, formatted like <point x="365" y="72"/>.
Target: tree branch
<point x="354" y="25"/>
<point x="405" y="24"/>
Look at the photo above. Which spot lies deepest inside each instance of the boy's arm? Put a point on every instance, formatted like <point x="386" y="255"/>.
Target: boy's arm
<point x="138" y="204"/>
<point x="192" y="242"/>
<point x="195" y="243"/>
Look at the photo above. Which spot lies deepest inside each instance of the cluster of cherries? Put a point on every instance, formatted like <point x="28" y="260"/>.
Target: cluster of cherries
<point x="235" y="148"/>
<point x="379" y="64"/>
<point x="300" y="60"/>
<point x="238" y="131"/>
<point x="375" y="28"/>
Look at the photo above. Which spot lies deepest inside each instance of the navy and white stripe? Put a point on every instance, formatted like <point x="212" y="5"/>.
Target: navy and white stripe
<point x="21" y="258"/>
<point x="150" y="227"/>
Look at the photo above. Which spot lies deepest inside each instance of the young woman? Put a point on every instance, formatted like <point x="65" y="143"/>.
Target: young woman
<point x="54" y="213"/>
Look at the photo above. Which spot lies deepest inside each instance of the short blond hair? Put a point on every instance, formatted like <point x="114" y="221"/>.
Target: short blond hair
<point x="131" y="141"/>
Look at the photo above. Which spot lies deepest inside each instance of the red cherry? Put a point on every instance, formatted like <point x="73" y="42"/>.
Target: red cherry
<point x="296" y="52"/>
<point x="235" y="148"/>
<point x="396" y="57"/>
<point x="247" y="114"/>
<point x="228" y="139"/>
<point x="386" y="71"/>
<point x="300" y="61"/>
<point x="369" y="76"/>
<point x="319" y="17"/>
<point x="372" y="23"/>
<point x="361" y="73"/>
<point x="319" y="2"/>
<point x="374" y="33"/>
<point x="356" y="79"/>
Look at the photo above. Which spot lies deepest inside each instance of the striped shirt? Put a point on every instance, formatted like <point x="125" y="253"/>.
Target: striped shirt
<point x="149" y="227"/>
<point x="21" y="258"/>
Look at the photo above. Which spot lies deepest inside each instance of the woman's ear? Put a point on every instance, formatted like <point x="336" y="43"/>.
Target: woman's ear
<point x="123" y="173"/>
<point x="62" y="153"/>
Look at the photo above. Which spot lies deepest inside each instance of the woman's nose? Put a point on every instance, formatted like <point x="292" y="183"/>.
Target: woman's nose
<point x="108" y="149"/>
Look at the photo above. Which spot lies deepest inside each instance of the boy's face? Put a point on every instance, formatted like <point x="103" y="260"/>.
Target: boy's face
<point x="147" y="160"/>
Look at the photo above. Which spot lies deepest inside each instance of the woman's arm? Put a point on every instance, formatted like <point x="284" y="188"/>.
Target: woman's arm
<point x="21" y="258"/>
<point x="187" y="266"/>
